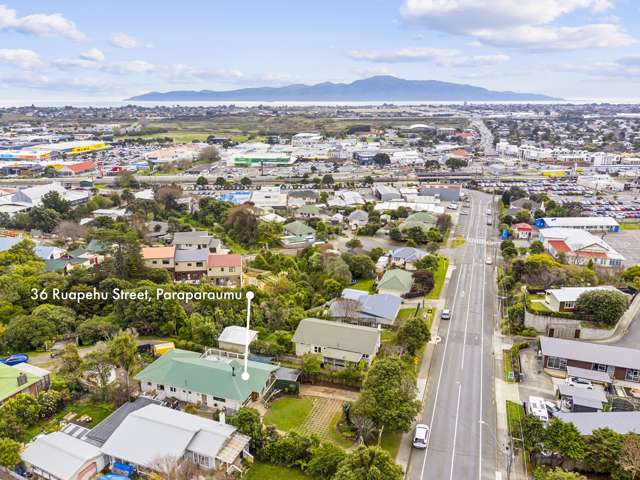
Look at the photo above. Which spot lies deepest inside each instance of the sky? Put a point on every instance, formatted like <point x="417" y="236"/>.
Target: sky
<point x="110" y="50"/>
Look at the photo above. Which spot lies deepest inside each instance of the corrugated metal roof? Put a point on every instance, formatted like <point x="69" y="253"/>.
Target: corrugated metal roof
<point x="590" y="352"/>
<point x="587" y="422"/>
<point x="337" y="335"/>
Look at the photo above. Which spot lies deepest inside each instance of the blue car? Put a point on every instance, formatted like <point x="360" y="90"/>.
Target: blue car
<point x="15" y="359"/>
<point x="111" y="476"/>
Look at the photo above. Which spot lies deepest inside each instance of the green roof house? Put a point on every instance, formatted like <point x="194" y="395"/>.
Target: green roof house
<point x="22" y="378"/>
<point x="308" y="210"/>
<point x="395" y="282"/>
<point x="298" y="234"/>
<point x="213" y="380"/>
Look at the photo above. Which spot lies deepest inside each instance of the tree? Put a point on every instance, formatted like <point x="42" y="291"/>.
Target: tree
<point x="413" y="334"/>
<point x="423" y="282"/>
<point x="44" y="219"/>
<point x="24" y="407"/>
<point x="395" y="234"/>
<point x="95" y="329"/>
<point x="556" y="474"/>
<point x="338" y="270"/>
<point x="168" y="196"/>
<point x="242" y="224"/>
<point x="325" y="460"/>
<point x="26" y="333"/>
<point x="70" y="357"/>
<point x="565" y="439"/>
<point x="368" y="463"/>
<point x="247" y="421"/>
<point x="443" y="222"/>
<point x="54" y="201"/>
<point x="9" y="453"/>
<point x="173" y="467"/>
<point x="209" y="154"/>
<point x="533" y="433"/>
<point x="388" y="396"/>
<point x="72" y="230"/>
<point x="428" y="262"/>
<point x="456" y="164"/>
<point x="361" y="266"/>
<point x="327" y="179"/>
<point x="602" y="306"/>
<point x="629" y="459"/>
<point x="202" y="181"/>
<point x="123" y="352"/>
<point x="381" y="159"/>
<point x="354" y="243"/>
<point x="125" y="261"/>
<point x="311" y="364"/>
<point x="536" y="247"/>
<point x="100" y="366"/>
<point x="604" y="447"/>
<point x="50" y="402"/>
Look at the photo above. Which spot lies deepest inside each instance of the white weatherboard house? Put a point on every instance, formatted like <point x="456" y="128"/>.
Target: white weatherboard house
<point x="338" y="343"/>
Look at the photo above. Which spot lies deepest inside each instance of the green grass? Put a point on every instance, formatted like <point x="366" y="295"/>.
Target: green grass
<point x="335" y="436"/>
<point x="405" y="314"/>
<point x="538" y="307"/>
<point x="364" y="284"/>
<point x="457" y="242"/>
<point x="438" y="279"/>
<point x="97" y="412"/>
<point x="391" y="443"/>
<point x="630" y="226"/>
<point x="288" y="413"/>
<point x="265" y="471"/>
<point x="515" y="412"/>
<point x="506" y="365"/>
<point x="387" y="336"/>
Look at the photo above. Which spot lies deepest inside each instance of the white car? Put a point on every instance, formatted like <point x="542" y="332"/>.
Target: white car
<point x="421" y="436"/>
<point x="579" y="382"/>
<point x="446" y="314"/>
<point x="488" y="261"/>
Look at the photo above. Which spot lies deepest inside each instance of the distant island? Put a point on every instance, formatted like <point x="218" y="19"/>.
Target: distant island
<point x="380" y="88"/>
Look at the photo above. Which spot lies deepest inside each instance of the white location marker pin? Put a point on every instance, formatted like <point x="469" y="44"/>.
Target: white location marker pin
<point x="245" y="375"/>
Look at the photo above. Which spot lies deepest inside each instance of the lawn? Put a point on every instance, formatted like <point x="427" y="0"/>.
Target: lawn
<point x="288" y="413"/>
<point x="265" y="471"/>
<point x="506" y="364"/>
<point x="538" y="307"/>
<point x="515" y="412"/>
<point x="97" y="412"/>
<point x="457" y="242"/>
<point x="438" y="279"/>
<point x="365" y="285"/>
<point x="630" y="226"/>
<point x="391" y="443"/>
<point x="335" y="436"/>
<point x="405" y="314"/>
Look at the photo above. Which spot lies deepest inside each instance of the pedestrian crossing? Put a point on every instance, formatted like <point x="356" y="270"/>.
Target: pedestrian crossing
<point x="480" y="241"/>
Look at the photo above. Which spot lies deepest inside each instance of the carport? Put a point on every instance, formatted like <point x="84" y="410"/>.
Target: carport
<point x="593" y="375"/>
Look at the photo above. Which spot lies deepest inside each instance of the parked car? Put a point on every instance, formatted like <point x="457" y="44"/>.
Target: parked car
<point x="446" y="314"/>
<point x="421" y="436"/>
<point x="15" y="359"/>
<point x="579" y="382"/>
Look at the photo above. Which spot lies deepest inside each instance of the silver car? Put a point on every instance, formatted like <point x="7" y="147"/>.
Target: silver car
<point x="421" y="436"/>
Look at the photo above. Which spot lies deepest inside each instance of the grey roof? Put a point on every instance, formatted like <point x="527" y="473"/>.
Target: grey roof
<point x="408" y="254"/>
<point x="59" y="454"/>
<point x="382" y="308"/>
<point x="583" y="396"/>
<point x="358" y="215"/>
<point x="101" y="432"/>
<point x="587" y="422"/>
<point x="155" y="431"/>
<point x="288" y="374"/>
<point x="192" y="255"/>
<point x="590" y="352"/>
<point x="593" y="375"/>
<point x="337" y="335"/>
<point x="571" y="294"/>
<point x="181" y="238"/>
<point x="236" y="334"/>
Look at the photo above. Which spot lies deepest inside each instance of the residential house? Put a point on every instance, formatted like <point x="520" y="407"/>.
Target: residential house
<point x="338" y="343"/>
<point x="191" y="264"/>
<point x="362" y="307"/>
<point x="358" y="218"/>
<point x="225" y="270"/>
<point x="406" y="256"/>
<point x="155" y="432"/>
<point x="619" y="363"/>
<point x="298" y="234"/>
<point x="49" y="252"/>
<point x="212" y="380"/>
<point x="308" y="211"/>
<point x="522" y="231"/>
<point x="22" y="378"/>
<point x="60" y="456"/>
<point x="582" y="399"/>
<point x="580" y="247"/>
<point x="198" y="241"/>
<point x="234" y="338"/>
<point x="587" y="422"/>
<point x="395" y="282"/>
<point x="159" y="257"/>
<point x="564" y="299"/>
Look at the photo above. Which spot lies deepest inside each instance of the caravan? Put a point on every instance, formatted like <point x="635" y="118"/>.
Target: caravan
<point x="536" y="406"/>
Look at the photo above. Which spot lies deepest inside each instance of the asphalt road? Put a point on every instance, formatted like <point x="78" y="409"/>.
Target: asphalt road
<point x="461" y="378"/>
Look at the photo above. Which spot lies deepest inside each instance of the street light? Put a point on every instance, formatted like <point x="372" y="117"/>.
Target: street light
<point x="507" y="452"/>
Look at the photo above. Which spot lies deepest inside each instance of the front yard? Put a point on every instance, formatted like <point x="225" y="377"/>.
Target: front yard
<point x="265" y="471"/>
<point x="438" y="279"/>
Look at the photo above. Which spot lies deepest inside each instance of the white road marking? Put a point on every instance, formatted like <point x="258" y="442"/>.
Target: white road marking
<point x="484" y="278"/>
<point x="455" y="431"/>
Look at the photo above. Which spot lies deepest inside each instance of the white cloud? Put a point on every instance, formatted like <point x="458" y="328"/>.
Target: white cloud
<point x="39" y="24"/>
<point x="92" y="54"/>
<point x="440" y="56"/>
<point x="622" y="68"/>
<point x="19" y="57"/>
<point x="523" y="24"/>
<point x="122" y="40"/>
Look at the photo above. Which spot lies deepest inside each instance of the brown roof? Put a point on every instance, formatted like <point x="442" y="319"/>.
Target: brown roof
<point x="81" y="167"/>
<point x="149" y="253"/>
<point x="230" y="260"/>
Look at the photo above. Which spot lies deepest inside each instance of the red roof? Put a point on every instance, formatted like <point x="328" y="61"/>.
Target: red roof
<point x="525" y="227"/>
<point x="230" y="260"/>
<point x="559" y="246"/>
<point x="586" y="253"/>
<point x="82" y="167"/>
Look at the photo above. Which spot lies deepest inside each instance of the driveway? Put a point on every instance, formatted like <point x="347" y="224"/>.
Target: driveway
<point x="626" y="242"/>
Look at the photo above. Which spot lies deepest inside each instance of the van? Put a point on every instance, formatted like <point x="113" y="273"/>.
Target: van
<point x="537" y="407"/>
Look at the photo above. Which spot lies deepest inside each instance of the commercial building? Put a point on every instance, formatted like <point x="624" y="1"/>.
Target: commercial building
<point x="447" y="193"/>
<point x="592" y="224"/>
<point x="338" y="343"/>
<point x="72" y="148"/>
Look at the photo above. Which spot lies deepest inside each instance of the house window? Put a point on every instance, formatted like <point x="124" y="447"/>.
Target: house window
<point x="599" y="367"/>
<point x="160" y="387"/>
<point x="149" y="384"/>
<point x="173" y="389"/>
<point x="155" y="262"/>
<point x="198" y="264"/>
<point x="557" y="363"/>
<point x="189" y="265"/>
<point x="218" y="399"/>
<point x="569" y="304"/>
<point x="317" y="349"/>
<point x="222" y="269"/>
<point x="232" y="269"/>
<point x="633" y="375"/>
<point x="166" y="262"/>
